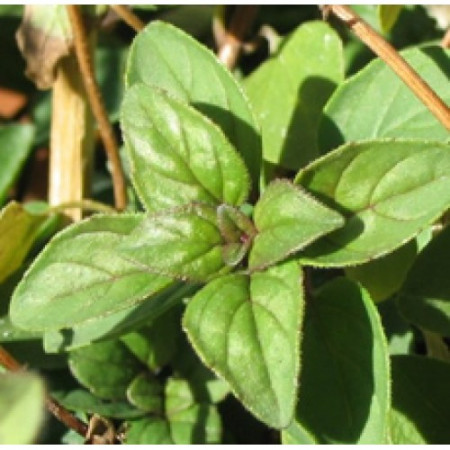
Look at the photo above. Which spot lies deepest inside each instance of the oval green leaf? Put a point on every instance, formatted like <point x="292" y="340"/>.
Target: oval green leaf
<point x="106" y="368"/>
<point x="15" y="146"/>
<point x="80" y="276"/>
<point x="246" y="329"/>
<point x="375" y="103"/>
<point x="388" y="190"/>
<point x="183" y="243"/>
<point x="177" y="155"/>
<point x="289" y="91"/>
<point x="420" y="400"/>
<point x="425" y="297"/>
<point x="288" y="219"/>
<point x="145" y="392"/>
<point x="164" y="56"/>
<point x="344" y="384"/>
<point x="22" y="408"/>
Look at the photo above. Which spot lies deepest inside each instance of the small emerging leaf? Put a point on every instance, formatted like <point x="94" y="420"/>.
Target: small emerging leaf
<point x="388" y="190"/>
<point x="246" y="329"/>
<point x="287" y="220"/>
<point x="145" y="392"/>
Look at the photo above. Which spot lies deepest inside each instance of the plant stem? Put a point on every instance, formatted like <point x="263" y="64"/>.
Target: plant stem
<point x="128" y="17"/>
<point x="392" y="58"/>
<point x="97" y="105"/>
<point x="72" y="139"/>
<point x="61" y="413"/>
<point x="232" y="40"/>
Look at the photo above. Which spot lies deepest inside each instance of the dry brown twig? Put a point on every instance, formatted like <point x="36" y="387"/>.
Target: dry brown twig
<point x="231" y="39"/>
<point x="392" y="58"/>
<point x="97" y="105"/>
<point x="446" y="39"/>
<point x="128" y="17"/>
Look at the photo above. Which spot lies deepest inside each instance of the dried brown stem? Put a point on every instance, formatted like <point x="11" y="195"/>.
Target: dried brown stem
<point x="61" y="413"/>
<point x="128" y="17"/>
<point x="232" y="40"/>
<point x="97" y="105"/>
<point x="392" y="58"/>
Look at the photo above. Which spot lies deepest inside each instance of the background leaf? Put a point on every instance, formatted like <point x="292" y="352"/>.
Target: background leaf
<point x="80" y="276"/>
<point x="21" y="408"/>
<point x="106" y="368"/>
<point x="15" y="146"/>
<point x="246" y="329"/>
<point x="375" y="103"/>
<point x="420" y="400"/>
<point x="289" y="91"/>
<point x="177" y="155"/>
<point x="388" y="190"/>
<point x="425" y="297"/>
<point x="388" y="15"/>
<point x="18" y="232"/>
<point x="287" y="219"/>
<point x="164" y="56"/>
<point x="344" y="385"/>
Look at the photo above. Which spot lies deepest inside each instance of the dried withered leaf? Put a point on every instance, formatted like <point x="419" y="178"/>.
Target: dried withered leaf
<point x="44" y="37"/>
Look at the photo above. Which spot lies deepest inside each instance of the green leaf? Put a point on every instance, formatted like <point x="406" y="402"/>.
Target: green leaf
<point x="289" y="91"/>
<point x="81" y="400"/>
<point x="145" y="392"/>
<point x="388" y="15"/>
<point x="9" y="333"/>
<point x="22" y="408"/>
<point x="155" y="345"/>
<point x="425" y="297"/>
<point x="344" y="385"/>
<point x="420" y="400"/>
<point x="182" y="243"/>
<point x="149" y="431"/>
<point x="388" y="190"/>
<point x="117" y="323"/>
<point x="375" y="103"/>
<point x="164" y="56"/>
<point x="106" y="368"/>
<point x="295" y="434"/>
<point x="288" y="219"/>
<point x="384" y="276"/>
<point x="177" y="155"/>
<point x="246" y="329"/>
<point x="18" y="231"/>
<point x="80" y="276"/>
<point x="15" y="146"/>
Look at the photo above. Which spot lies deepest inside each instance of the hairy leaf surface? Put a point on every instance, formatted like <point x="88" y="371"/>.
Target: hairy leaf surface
<point x="80" y="276"/>
<point x="246" y="329"/>
<point x="164" y="56"/>
<point x="288" y="219"/>
<point x="177" y="155"/>
<point x="388" y="190"/>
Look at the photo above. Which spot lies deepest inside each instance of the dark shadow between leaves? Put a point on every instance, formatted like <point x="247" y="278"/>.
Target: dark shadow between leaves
<point x="312" y="95"/>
